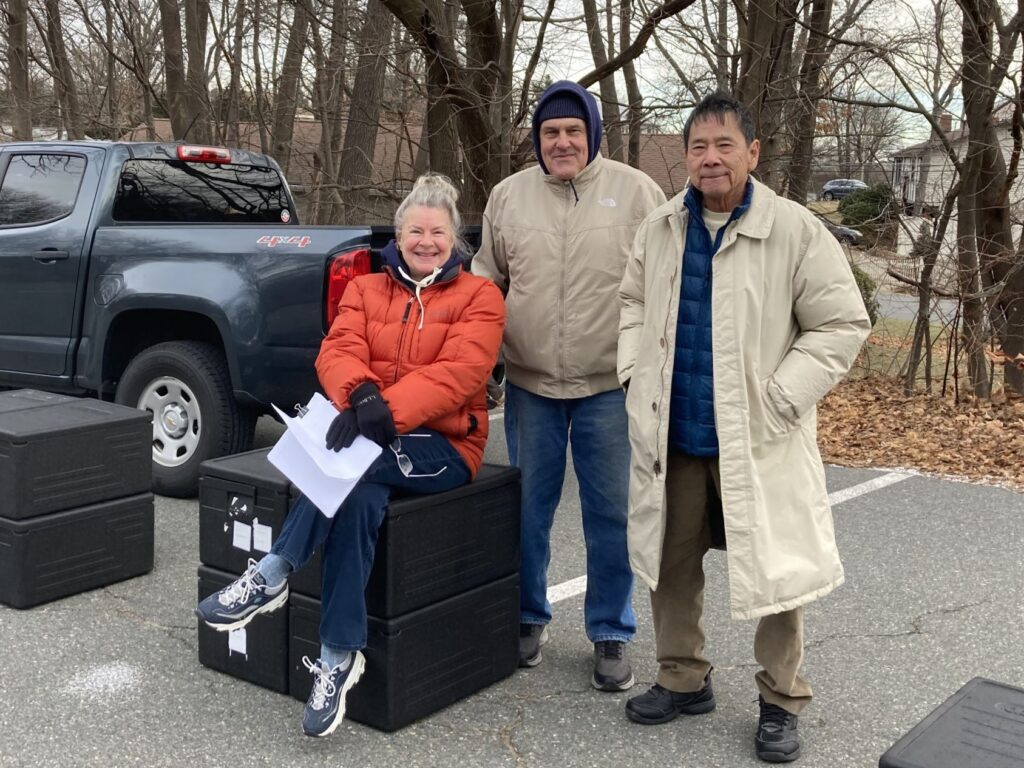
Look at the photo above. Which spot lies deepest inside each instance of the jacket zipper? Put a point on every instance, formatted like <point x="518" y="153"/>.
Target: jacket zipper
<point x="401" y="337"/>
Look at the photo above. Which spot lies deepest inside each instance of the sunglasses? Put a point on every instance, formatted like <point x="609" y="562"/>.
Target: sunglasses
<point x="404" y="462"/>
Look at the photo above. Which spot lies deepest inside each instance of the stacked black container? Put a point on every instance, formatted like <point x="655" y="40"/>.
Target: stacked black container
<point x="443" y="597"/>
<point x="76" y="510"/>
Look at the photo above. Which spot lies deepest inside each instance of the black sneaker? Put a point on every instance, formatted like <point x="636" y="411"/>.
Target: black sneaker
<point x="612" y="671"/>
<point x="531" y="638"/>
<point x="325" y="708"/>
<point x="659" y="705"/>
<point x="777" y="740"/>
<point x="241" y="601"/>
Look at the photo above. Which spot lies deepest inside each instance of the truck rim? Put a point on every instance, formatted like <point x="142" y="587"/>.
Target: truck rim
<point x="176" y="420"/>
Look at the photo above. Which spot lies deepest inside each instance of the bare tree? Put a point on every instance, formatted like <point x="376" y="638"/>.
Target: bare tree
<point x="17" y="54"/>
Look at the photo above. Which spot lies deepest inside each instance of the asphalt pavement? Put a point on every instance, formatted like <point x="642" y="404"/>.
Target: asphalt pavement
<point x="933" y="598"/>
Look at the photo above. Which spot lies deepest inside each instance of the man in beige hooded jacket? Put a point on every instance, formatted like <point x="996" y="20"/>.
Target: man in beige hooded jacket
<point x="555" y="239"/>
<point x="725" y="421"/>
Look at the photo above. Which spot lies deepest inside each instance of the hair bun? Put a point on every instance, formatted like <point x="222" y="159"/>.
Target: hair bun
<point x="437" y="182"/>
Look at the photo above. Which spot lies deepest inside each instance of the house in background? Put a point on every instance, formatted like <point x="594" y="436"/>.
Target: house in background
<point x="395" y="162"/>
<point x="922" y="174"/>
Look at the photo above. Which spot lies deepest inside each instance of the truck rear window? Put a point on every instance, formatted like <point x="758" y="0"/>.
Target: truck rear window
<point x="171" y="190"/>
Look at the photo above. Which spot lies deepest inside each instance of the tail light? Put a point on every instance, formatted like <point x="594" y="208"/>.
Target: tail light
<point x="189" y="153"/>
<point x="343" y="269"/>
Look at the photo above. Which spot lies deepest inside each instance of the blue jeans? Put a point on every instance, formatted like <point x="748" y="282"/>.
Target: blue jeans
<point x="350" y="537"/>
<point x="538" y="430"/>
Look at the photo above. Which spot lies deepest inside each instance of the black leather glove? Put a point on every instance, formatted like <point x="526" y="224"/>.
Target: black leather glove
<point x="373" y="415"/>
<point x="343" y="430"/>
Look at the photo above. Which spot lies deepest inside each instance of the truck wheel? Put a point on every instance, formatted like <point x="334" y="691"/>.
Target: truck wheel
<point x="186" y="387"/>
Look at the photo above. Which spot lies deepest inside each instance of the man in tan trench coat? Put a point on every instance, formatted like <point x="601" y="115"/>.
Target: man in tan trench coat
<point x="739" y="312"/>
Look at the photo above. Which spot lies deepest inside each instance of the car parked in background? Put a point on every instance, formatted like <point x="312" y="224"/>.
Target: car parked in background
<point x="836" y="189"/>
<point x="845" y="235"/>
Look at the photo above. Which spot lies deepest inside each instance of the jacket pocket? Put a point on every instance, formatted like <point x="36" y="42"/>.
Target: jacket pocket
<point x="774" y="421"/>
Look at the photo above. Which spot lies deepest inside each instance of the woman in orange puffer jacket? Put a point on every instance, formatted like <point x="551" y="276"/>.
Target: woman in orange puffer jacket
<point x="406" y="363"/>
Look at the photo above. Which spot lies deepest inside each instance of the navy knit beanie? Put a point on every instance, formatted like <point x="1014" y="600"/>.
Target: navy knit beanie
<point x="561" y="105"/>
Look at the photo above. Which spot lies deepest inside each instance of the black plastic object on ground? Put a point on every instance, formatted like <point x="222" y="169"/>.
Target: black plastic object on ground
<point x="430" y="547"/>
<point x="979" y="726"/>
<point x="63" y="553"/>
<point x="422" y="661"/>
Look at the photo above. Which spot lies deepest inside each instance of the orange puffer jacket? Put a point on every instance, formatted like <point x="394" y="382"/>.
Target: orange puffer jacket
<point x="432" y="373"/>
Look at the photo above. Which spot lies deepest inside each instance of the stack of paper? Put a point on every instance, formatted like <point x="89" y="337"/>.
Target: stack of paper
<point x="326" y="477"/>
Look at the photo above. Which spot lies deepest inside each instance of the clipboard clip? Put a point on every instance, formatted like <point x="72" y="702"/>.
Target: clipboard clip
<point x="300" y="410"/>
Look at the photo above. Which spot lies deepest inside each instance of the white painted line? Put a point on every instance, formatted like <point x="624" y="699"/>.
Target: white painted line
<point x="496" y="415"/>
<point x="576" y="586"/>
<point x="875" y="484"/>
<point x="567" y="589"/>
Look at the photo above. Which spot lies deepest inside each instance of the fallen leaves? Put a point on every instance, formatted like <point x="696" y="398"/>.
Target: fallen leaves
<point x="869" y="422"/>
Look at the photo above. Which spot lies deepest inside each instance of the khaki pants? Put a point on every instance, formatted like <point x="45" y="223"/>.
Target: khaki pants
<point x="678" y="603"/>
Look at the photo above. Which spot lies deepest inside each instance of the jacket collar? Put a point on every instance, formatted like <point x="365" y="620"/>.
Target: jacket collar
<point x="755" y="223"/>
<point x="582" y="180"/>
<point x="393" y="263"/>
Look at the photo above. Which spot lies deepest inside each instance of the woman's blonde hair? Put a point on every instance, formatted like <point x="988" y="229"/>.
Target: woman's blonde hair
<point x="434" y="190"/>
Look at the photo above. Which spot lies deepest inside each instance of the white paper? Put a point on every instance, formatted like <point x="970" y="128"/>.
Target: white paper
<point x="237" y="642"/>
<point x="240" y="536"/>
<point x="326" y="477"/>
<point x="262" y="536"/>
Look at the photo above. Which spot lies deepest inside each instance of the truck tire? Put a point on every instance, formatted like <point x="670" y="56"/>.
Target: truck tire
<point x="186" y="387"/>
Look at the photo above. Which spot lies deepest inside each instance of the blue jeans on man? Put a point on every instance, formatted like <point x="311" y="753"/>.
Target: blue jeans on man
<point x="350" y="537"/>
<point x="539" y="430"/>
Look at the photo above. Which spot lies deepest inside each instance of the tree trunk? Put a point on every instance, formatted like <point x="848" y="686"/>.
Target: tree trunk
<point x="196" y="15"/>
<point x="609" y="97"/>
<point x="765" y="57"/>
<point x="286" y="98"/>
<point x="178" y="104"/>
<point x="806" y="104"/>
<point x="64" y="78"/>
<point x="984" y="73"/>
<point x="233" y="114"/>
<point x="356" y="170"/>
<point x="636" y="99"/>
<point x="17" y="55"/>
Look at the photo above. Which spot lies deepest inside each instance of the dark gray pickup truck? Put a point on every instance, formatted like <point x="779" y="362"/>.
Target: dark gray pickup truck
<point x="169" y="277"/>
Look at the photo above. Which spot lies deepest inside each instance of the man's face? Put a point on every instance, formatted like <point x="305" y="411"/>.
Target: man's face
<point x="563" y="146"/>
<point x="719" y="161"/>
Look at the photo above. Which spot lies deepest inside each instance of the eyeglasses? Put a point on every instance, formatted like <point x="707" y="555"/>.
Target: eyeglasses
<point x="405" y="463"/>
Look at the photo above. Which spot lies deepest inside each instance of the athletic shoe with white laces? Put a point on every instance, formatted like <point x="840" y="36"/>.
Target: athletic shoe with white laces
<point x="242" y="601"/>
<point x="325" y="708"/>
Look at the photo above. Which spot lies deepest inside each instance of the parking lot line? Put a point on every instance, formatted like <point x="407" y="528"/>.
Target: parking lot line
<point x="577" y="586"/>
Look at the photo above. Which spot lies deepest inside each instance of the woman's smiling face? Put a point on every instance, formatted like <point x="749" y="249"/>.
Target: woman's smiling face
<point x="426" y="239"/>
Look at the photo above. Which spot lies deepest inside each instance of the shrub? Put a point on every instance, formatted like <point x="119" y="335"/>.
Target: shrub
<point x="868" y="289"/>
<point x="874" y="212"/>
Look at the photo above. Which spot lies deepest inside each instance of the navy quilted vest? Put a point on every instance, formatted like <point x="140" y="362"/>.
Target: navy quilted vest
<point x="691" y="426"/>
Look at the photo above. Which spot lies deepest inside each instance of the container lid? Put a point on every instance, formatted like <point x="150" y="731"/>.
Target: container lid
<point x="62" y="418"/>
<point x="981" y="726"/>
<point x="23" y="399"/>
<point x="251" y="467"/>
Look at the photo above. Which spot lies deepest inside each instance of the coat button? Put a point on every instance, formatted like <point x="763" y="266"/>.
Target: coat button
<point x="662" y="342"/>
<point x="654" y="407"/>
<point x="657" y="466"/>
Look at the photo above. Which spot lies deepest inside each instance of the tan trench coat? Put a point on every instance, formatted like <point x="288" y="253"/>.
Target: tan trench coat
<point x="787" y="322"/>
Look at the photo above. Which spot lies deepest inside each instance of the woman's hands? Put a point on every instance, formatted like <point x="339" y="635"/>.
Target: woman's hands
<point x="368" y="416"/>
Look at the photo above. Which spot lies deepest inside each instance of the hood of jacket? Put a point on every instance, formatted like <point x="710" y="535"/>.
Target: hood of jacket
<point x="594" y="129"/>
<point x="395" y="265"/>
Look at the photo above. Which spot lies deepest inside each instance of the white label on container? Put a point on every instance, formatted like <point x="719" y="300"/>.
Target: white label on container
<point x="262" y="536"/>
<point x="242" y="538"/>
<point x="236" y="642"/>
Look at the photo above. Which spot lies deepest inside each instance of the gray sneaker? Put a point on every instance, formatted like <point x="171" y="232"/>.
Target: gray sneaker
<point x="242" y="601"/>
<point x="325" y="708"/>
<point x="612" y="671"/>
<point x="531" y="638"/>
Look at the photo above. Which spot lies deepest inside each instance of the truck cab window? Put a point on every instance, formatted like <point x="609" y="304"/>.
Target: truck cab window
<point x="39" y="187"/>
<point x="172" y="190"/>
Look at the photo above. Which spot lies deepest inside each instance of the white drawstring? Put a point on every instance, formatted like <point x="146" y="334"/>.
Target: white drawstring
<point x="420" y="284"/>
